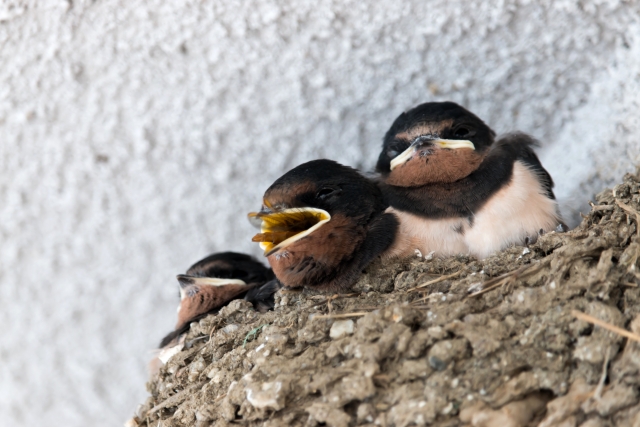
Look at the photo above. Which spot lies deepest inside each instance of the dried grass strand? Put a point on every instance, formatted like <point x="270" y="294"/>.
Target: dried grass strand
<point x="176" y="399"/>
<point x="608" y="326"/>
<point x="628" y="209"/>
<point x="434" y="281"/>
<point x="340" y="316"/>
<point x="496" y="282"/>
<point x="603" y="377"/>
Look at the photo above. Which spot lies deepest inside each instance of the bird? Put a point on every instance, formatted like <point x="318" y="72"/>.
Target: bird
<point x="216" y="280"/>
<point x="321" y="224"/>
<point x="455" y="188"/>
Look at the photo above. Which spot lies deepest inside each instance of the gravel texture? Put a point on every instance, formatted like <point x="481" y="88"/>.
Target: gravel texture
<point x="445" y="342"/>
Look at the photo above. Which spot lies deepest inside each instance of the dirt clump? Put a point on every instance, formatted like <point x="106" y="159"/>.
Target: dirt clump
<point x="447" y="342"/>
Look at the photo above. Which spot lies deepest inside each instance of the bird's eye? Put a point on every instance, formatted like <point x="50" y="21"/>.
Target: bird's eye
<point x="396" y="148"/>
<point x="326" y="192"/>
<point x="463" y="132"/>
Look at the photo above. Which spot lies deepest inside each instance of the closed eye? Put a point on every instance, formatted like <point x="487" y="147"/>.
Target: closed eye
<point x="464" y="132"/>
<point x="326" y="192"/>
<point x="395" y="150"/>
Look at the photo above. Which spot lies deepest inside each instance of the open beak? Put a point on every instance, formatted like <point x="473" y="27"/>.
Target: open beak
<point x="407" y="154"/>
<point x="281" y="228"/>
<point x="185" y="281"/>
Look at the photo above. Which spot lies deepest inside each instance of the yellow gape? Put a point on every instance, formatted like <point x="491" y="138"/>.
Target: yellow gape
<point x="280" y="229"/>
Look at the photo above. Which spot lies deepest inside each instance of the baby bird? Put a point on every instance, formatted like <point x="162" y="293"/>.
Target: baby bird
<point x="455" y="189"/>
<point x="214" y="281"/>
<point x="322" y="223"/>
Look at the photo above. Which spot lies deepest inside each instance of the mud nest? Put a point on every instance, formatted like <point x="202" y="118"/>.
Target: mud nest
<point x="507" y="341"/>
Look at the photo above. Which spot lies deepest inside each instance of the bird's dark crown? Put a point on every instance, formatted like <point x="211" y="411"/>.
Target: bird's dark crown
<point x="445" y="120"/>
<point x="231" y="265"/>
<point x="325" y="184"/>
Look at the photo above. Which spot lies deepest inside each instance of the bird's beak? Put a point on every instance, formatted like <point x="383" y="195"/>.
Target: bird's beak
<point x="451" y="144"/>
<point x="185" y="281"/>
<point x="454" y="144"/>
<point x="281" y="228"/>
<point x="403" y="157"/>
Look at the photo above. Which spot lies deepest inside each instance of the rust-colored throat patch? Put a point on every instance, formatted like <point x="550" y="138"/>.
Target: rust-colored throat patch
<point x="451" y="144"/>
<point x="282" y="228"/>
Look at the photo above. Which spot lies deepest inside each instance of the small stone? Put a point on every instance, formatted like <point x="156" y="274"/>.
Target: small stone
<point x="215" y="374"/>
<point x="366" y="413"/>
<point x="447" y="409"/>
<point x="202" y="416"/>
<point x="230" y="328"/>
<point x="475" y="287"/>
<point x="195" y="368"/>
<point x="437" y="332"/>
<point x="437" y="364"/>
<point x="341" y="328"/>
<point x="442" y="352"/>
<point x="268" y="395"/>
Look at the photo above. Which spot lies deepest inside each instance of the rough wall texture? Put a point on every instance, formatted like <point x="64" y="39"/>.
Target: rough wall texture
<point x="134" y="137"/>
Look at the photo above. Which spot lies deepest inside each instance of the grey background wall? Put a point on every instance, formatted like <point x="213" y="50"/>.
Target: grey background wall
<point x="135" y="136"/>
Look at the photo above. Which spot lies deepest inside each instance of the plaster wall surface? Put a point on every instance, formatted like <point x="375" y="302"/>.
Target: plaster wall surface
<point x="136" y="135"/>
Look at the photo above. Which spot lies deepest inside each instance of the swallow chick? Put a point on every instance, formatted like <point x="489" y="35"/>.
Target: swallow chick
<point x="321" y="224"/>
<point x="214" y="281"/>
<point x="456" y="189"/>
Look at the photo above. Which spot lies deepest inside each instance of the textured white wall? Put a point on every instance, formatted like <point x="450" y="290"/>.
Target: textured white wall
<point x="135" y="136"/>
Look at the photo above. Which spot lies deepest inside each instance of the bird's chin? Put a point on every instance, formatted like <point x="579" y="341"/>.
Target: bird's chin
<point x="282" y="228"/>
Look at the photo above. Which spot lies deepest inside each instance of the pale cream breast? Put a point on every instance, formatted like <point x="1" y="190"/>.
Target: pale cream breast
<point x="517" y="210"/>
<point x="426" y="235"/>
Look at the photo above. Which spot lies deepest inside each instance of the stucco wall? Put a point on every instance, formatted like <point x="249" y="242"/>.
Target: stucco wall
<point x="135" y="136"/>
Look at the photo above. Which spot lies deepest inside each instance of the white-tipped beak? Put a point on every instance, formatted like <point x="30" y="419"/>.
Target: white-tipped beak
<point x="452" y="144"/>
<point x="212" y="281"/>
<point x="402" y="157"/>
<point x="206" y="281"/>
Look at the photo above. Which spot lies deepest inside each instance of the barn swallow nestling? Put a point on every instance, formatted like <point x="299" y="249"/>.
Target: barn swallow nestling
<point x="457" y="190"/>
<point x="321" y="224"/>
<point x="216" y="280"/>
